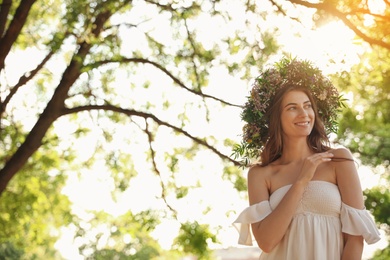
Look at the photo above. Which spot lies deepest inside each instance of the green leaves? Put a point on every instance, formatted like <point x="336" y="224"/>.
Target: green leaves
<point x="131" y="233"/>
<point x="194" y="238"/>
<point x="233" y="174"/>
<point x="33" y="206"/>
<point x="9" y="252"/>
<point x="245" y="152"/>
<point x="364" y="125"/>
<point x="377" y="201"/>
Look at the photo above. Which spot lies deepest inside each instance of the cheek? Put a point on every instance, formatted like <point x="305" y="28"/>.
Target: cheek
<point x="312" y="114"/>
<point x="287" y="116"/>
<point x="284" y="121"/>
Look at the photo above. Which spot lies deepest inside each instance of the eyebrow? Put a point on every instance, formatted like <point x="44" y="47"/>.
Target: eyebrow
<point x="289" y="104"/>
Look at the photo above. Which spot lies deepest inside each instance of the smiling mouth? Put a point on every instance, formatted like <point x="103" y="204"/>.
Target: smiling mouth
<point x="303" y="123"/>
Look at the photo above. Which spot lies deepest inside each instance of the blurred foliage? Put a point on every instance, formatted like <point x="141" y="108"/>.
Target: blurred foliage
<point x="382" y="254"/>
<point x="96" y="53"/>
<point x="194" y="238"/>
<point x="365" y="124"/>
<point x="377" y="201"/>
<point x="9" y="252"/>
<point x="33" y="206"/>
<point x="232" y="173"/>
<point x="124" y="237"/>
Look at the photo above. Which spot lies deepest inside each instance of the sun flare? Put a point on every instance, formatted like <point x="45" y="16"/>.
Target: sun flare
<point x="332" y="47"/>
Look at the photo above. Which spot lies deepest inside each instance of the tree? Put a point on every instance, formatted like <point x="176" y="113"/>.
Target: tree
<point x="82" y="49"/>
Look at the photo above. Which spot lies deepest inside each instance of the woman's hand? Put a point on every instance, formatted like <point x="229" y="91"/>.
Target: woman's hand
<point x="310" y="165"/>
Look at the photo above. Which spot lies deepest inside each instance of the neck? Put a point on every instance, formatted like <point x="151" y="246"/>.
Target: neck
<point x="295" y="150"/>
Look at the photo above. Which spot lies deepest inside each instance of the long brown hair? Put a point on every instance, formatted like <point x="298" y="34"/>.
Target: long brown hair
<point x="318" y="141"/>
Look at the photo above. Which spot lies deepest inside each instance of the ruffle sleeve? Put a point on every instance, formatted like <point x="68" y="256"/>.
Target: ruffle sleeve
<point x="249" y="215"/>
<point x="358" y="222"/>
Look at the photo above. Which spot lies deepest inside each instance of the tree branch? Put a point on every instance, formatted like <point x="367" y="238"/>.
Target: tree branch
<point x="153" y="153"/>
<point x="166" y="7"/>
<point x="131" y="112"/>
<point x="343" y="17"/>
<point x="155" y="64"/>
<point x="23" y="80"/>
<point x="14" y="29"/>
<point x="4" y="11"/>
<point x="280" y="10"/>
<point x="366" y="11"/>
<point x="193" y="55"/>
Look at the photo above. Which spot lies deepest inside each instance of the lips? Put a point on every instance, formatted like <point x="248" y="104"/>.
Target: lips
<point x="303" y="123"/>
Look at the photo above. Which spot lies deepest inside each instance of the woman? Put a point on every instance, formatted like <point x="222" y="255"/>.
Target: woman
<point x="305" y="198"/>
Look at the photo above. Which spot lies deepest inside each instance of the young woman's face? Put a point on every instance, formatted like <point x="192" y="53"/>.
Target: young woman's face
<point x="297" y="116"/>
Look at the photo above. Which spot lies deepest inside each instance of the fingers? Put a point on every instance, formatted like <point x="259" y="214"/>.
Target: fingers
<point x="311" y="163"/>
<point x="318" y="158"/>
<point x="325" y="157"/>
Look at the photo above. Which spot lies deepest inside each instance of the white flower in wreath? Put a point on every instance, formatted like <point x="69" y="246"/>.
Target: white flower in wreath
<point x="322" y="96"/>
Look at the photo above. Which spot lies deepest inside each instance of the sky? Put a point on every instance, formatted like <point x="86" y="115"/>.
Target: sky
<point x="92" y="189"/>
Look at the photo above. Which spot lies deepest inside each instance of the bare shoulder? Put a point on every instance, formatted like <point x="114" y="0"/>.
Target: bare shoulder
<point x="344" y="163"/>
<point x="257" y="171"/>
<point x="259" y="175"/>
<point x="258" y="183"/>
<point x="342" y="153"/>
<point x="347" y="176"/>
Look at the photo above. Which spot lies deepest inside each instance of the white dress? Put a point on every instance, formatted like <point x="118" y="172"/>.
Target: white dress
<point x="315" y="232"/>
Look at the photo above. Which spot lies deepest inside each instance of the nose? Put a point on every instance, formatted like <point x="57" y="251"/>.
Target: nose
<point x="302" y="112"/>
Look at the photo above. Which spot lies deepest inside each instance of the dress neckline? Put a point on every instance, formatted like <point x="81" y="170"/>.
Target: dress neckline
<point x="310" y="182"/>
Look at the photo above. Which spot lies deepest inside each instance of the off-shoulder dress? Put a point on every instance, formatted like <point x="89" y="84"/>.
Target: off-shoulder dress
<point x="315" y="232"/>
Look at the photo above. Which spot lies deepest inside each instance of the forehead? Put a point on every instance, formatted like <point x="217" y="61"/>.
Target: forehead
<point x="295" y="96"/>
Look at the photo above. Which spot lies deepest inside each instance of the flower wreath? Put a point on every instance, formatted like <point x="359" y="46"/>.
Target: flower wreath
<point x="287" y="72"/>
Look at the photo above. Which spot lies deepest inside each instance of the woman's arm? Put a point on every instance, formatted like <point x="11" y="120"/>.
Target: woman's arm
<point x="352" y="195"/>
<point x="353" y="247"/>
<point x="271" y="229"/>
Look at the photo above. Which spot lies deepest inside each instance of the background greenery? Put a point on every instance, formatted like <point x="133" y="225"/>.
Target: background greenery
<point x="53" y="102"/>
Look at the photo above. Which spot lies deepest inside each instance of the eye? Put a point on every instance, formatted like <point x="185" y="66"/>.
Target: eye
<point x="308" y="106"/>
<point x="291" y="108"/>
